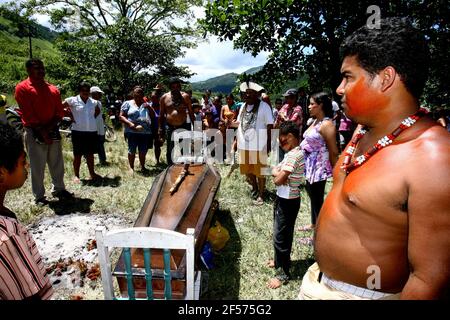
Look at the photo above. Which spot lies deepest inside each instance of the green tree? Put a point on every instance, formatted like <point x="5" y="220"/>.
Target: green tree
<point x="304" y="36"/>
<point x="121" y="43"/>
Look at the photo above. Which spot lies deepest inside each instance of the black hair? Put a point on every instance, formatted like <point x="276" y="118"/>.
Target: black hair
<point x="195" y="103"/>
<point x="278" y="100"/>
<point x="398" y="44"/>
<point x="11" y="146"/>
<point x="84" y="84"/>
<point x="290" y="127"/>
<point x="32" y="62"/>
<point x="231" y="96"/>
<point x="137" y="88"/>
<point x="323" y="99"/>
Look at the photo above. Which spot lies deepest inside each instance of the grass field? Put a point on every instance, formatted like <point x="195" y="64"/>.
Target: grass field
<point x="240" y="271"/>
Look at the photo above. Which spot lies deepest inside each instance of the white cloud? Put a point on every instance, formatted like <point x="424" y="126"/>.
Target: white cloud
<point x="214" y="58"/>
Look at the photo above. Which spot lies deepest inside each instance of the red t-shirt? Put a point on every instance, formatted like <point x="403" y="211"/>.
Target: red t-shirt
<point x="40" y="103"/>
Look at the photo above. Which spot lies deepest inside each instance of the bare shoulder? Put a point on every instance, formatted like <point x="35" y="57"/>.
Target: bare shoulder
<point x="433" y="143"/>
<point x="430" y="155"/>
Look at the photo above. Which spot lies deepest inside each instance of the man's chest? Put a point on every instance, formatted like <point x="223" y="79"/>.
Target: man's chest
<point x="378" y="184"/>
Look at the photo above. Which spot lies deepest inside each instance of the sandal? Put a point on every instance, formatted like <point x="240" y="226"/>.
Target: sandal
<point x="306" y="228"/>
<point x="309" y="241"/>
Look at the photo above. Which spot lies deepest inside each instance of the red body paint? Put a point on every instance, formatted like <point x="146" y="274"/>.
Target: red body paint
<point x="364" y="101"/>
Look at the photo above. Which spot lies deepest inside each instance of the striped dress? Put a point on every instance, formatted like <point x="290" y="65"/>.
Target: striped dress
<point x="22" y="272"/>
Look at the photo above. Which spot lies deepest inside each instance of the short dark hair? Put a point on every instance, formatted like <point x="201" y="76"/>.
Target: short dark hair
<point x="290" y="127"/>
<point x="278" y="100"/>
<point x="84" y="84"/>
<point x="231" y="96"/>
<point x="398" y="44"/>
<point x="11" y="146"/>
<point x="323" y="99"/>
<point x="32" y="62"/>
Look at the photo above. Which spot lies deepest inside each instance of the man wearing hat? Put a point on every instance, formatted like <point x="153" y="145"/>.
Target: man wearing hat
<point x="290" y="111"/>
<point x="255" y="120"/>
<point x="96" y="94"/>
<point x="174" y="107"/>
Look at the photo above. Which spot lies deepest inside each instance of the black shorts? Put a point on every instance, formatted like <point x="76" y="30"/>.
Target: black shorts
<point x="84" y="143"/>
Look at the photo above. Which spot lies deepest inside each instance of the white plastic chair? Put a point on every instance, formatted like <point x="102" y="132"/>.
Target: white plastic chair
<point x="146" y="238"/>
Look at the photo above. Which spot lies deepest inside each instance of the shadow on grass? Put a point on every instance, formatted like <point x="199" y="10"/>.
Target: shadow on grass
<point x="224" y="279"/>
<point x="103" y="182"/>
<point x="153" y="171"/>
<point x="299" y="267"/>
<point x="73" y="205"/>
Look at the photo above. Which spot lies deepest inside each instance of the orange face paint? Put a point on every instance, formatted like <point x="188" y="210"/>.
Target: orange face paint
<point x="363" y="100"/>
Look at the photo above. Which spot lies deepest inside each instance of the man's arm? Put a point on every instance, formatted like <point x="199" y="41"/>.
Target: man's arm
<point x="188" y="102"/>
<point x="161" y="119"/>
<point x="429" y="223"/>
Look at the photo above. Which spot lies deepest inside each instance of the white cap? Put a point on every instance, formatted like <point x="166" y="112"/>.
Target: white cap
<point x="250" y="85"/>
<point x="96" y="89"/>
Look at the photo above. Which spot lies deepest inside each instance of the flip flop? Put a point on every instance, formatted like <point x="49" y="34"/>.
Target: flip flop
<point x="309" y="241"/>
<point x="305" y="228"/>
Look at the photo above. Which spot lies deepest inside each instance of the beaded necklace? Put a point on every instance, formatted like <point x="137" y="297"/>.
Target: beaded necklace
<point x="382" y="143"/>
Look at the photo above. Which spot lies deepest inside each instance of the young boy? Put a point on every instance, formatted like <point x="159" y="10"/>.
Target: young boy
<point x="22" y="272"/>
<point x="287" y="176"/>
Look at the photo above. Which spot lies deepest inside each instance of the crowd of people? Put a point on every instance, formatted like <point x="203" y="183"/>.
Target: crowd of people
<point x="381" y="211"/>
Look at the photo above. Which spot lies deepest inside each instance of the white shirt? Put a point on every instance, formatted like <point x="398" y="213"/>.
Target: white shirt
<point x="83" y="114"/>
<point x="255" y="140"/>
<point x="99" y="121"/>
<point x="335" y="106"/>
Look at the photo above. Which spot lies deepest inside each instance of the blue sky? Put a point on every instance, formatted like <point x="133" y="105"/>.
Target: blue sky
<point x="210" y="59"/>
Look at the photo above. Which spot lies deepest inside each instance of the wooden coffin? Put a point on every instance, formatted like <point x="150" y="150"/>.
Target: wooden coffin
<point x="173" y="205"/>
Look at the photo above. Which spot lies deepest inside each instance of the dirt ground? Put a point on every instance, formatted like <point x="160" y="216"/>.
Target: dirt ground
<point x="67" y="245"/>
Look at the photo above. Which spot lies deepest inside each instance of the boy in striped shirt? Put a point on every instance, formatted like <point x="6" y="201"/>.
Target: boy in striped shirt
<point x="287" y="176"/>
<point x="22" y="272"/>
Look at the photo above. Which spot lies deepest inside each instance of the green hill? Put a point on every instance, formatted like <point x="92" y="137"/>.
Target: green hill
<point x="224" y="83"/>
<point x="14" y="51"/>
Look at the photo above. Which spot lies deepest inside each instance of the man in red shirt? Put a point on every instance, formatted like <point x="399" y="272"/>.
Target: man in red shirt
<point x="41" y="108"/>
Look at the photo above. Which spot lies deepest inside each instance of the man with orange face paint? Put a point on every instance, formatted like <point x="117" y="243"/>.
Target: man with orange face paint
<point x="383" y="231"/>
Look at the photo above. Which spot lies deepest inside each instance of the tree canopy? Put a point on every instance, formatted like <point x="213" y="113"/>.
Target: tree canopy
<point x="305" y="36"/>
<point x="121" y="43"/>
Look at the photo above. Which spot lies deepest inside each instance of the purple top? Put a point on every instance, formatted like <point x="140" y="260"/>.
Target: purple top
<point x="317" y="158"/>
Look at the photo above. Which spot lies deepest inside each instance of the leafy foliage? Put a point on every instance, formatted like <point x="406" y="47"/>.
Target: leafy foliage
<point x="304" y="36"/>
<point x="121" y="43"/>
<point x="15" y="51"/>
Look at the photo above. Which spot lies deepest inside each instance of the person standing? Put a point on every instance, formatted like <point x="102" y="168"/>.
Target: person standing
<point x="138" y="117"/>
<point x="384" y="228"/>
<point x="290" y="111"/>
<point x="287" y="176"/>
<point x="254" y="123"/>
<point x="83" y="111"/>
<point x="96" y="94"/>
<point x="41" y="110"/>
<point x="175" y="107"/>
<point x="320" y="149"/>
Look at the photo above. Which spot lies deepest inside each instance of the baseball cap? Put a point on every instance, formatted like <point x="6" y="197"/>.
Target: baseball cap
<point x="290" y="92"/>
<point x="96" y="89"/>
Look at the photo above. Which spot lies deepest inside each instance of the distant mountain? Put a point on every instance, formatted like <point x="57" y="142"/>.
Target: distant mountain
<point x="224" y="83"/>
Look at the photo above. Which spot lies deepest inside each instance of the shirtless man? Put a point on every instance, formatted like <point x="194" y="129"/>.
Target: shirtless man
<point x="383" y="231"/>
<point x="174" y="107"/>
